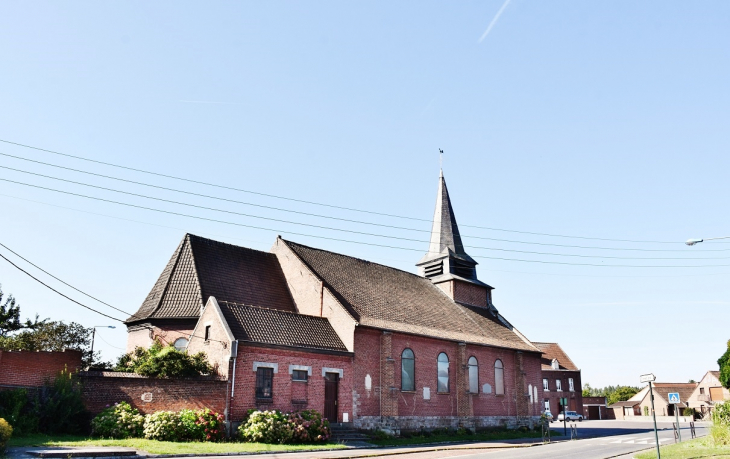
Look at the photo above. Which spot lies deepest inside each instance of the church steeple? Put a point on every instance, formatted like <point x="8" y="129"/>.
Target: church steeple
<point x="445" y="232"/>
<point x="446" y="263"/>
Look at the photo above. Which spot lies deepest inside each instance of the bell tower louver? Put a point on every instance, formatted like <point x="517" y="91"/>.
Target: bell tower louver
<point x="446" y="263"/>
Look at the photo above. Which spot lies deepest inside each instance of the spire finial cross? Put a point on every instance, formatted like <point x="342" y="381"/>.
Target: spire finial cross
<point x="441" y="159"/>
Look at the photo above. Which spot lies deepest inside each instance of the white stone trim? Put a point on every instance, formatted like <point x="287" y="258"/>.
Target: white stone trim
<point x="300" y="367"/>
<point x="275" y="366"/>
<point x="333" y="370"/>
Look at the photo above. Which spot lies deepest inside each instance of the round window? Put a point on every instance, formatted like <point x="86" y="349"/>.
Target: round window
<point x="181" y="344"/>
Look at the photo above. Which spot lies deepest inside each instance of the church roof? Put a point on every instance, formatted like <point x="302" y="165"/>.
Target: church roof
<point x="387" y="298"/>
<point x="552" y="351"/>
<point x="280" y="328"/>
<point x="201" y="268"/>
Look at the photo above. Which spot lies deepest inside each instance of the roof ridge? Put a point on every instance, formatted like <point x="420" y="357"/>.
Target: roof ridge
<point x="226" y="243"/>
<point x="178" y="256"/>
<point x="196" y="274"/>
<point x="356" y="258"/>
<point x="270" y="309"/>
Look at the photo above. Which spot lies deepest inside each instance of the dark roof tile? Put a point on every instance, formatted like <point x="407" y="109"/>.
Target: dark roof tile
<point x="275" y="327"/>
<point x="387" y="298"/>
<point x="552" y="351"/>
<point x="201" y="268"/>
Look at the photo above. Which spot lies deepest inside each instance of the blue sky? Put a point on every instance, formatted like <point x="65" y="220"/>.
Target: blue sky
<point x="592" y="119"/>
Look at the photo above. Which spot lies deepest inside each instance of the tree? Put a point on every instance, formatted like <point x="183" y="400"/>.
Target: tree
<point x="587" y="390"/>
<point x="724" y="363"/>
<point x="10" y="317"/>
<point x="52" y="336"/>
<point x="621" y="394"/>
<point x="164" y="362"/>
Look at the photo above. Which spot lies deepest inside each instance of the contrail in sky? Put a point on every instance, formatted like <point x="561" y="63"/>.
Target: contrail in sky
<point x="494" y="21"/>
<point x="208" y="102"/>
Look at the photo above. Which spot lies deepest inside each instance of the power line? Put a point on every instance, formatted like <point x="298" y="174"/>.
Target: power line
<point x="56" y="291"/>
<point x="84" y="293"/>
<point x="81" y="171"/>
<point x="345" y="240"/>
<point x="209" y="235"/>
<point x="216" y="185"/>
<point x="59" y="280"/>
<point x="351" y="231"/>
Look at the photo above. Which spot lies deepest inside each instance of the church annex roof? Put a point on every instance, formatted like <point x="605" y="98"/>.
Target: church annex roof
<point x="387" y="298"/>
<point x="552" y="351"/>
<point x="201" y="268"/>
<point x="280" y="328"/>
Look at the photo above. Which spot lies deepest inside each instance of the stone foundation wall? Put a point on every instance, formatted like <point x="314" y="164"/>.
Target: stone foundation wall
<point x="395" y="424"/>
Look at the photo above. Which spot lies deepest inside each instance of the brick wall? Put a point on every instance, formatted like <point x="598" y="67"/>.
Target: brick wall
<point x="595" y="408"/>
<point x="100" y="389"/>
<point x="288" y="395"/>
<point x="311" y="296"/>
<point x="376" y="352"/>
<point x="470" y="293"/>
<point x="32" y="369"/>
<point x="218" y="348"/>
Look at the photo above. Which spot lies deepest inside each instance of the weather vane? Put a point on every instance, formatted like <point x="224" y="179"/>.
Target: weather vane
<point x="441" y="159"/>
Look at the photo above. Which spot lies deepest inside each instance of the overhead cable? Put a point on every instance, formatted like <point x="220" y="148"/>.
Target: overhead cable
<point x="217" y="185"/>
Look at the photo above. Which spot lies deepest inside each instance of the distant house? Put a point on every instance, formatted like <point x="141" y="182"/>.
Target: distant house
<point x="640" y="404"/>
<point x="560" y="379"/>
<point x="595" y="408"/>
<point x="708" y="392"/>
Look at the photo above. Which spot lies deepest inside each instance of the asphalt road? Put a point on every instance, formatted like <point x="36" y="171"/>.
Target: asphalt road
<point x="597" y="440"/>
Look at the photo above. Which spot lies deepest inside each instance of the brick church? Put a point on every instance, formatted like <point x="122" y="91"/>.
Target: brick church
<point x="301" y="327"/>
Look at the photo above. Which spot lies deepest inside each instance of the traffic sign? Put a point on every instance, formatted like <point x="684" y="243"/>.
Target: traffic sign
<point x="647" y="378"/>
<point x="673" y="397"/>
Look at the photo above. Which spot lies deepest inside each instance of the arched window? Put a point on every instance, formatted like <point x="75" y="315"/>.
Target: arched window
<point x="407" y="370"/>
<point x="529" y="393"/>
<point x="443" y="373"/>
<point x="473" y="375"/>
<point x="180" y="344"/>
<point x="498" y="378"/>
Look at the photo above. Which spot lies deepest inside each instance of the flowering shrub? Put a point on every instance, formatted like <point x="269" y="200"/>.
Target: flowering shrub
<point x="185" y="425"/>
<point x="163" y="426"/>
<point x="118" y="421"/>
<point x="305" y="426"/>
<point x="266" y="427"/>
<point x="212" y="425"/>
<point x="201" y="425"/>
<point x="308" y="426"/>
<point x="6" y="431"/>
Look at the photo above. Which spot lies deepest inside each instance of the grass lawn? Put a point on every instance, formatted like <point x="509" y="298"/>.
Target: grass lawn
<point x="448" y="437"/>
<point x="163" y="447"/>
<point x="697" y="448"/>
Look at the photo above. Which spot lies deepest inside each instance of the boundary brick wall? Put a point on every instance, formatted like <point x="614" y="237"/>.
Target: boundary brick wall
<point x="33" y="368"/>
<point x="103" y="388"/>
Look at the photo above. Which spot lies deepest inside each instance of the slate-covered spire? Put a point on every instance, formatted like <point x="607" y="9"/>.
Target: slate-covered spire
<point x="444" y="232"/>
<point x="446" y="255"/>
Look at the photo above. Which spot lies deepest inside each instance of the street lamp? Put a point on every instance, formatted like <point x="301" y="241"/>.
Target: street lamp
<point x="93" y="335"/>
<point x="697" y="241"/>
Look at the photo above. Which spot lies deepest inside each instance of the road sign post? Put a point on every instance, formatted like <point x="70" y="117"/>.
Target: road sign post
<point x="673" y="398"/>
<point x="650" y="378"/>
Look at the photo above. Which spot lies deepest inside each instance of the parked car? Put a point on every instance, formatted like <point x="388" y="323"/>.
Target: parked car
<point x="548" y="415"/>
<point x="571" y="416"/>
